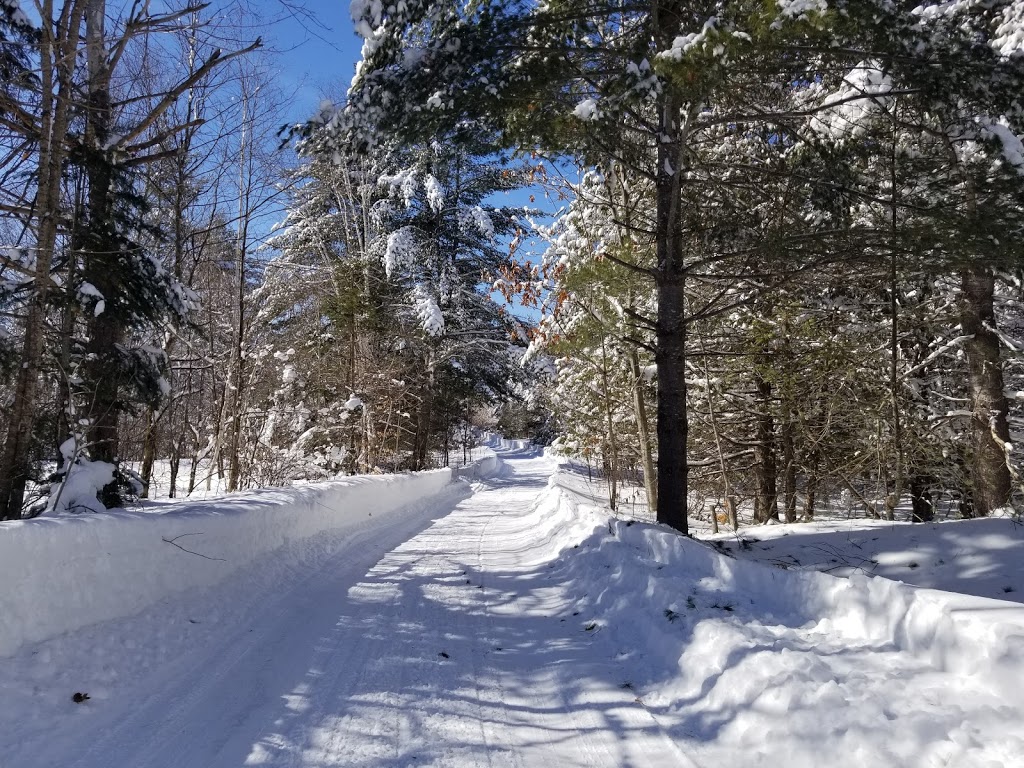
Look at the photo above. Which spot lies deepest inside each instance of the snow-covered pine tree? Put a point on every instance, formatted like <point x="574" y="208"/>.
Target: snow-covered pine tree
<point x="945" y="173"/>
<point x="126" y="285"/>
<point x="569" y="77"/>
<point x="379" y="304"/>
<point x="43" y="122"/>
<point x="324" y="333"/>
<point x="440" y="241"/>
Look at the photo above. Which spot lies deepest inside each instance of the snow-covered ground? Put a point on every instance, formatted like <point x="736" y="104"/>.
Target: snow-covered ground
<point x="983" y="557"/>
<point x="209" y="485"/>
<point x="520" y="625"/>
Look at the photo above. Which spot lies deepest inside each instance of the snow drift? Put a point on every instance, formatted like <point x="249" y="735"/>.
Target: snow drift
<point x="63" y="573"/>
<point x="747" y="658"/>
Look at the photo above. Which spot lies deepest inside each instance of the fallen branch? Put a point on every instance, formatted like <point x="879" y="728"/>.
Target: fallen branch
<point x="175" y="543"/>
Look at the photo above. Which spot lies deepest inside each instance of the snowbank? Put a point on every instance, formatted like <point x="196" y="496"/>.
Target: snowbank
<point x="480" y="469"/>
<point x="498" y="442"/>
<point x="982" y="557"/>
<point x="63" y="573"/>
<point x="763" y="661"/>
<point x="488" y="465"/>
<point x="960" y="634"/>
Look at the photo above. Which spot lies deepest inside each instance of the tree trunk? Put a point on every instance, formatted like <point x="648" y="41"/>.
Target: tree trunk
<point x="216" y="457"/>
<point x="644" y="431"/>
<point x="175" y="462"/>
<point x="102" y="247"/>
<point x="611" y="440"/>
<point x="242" y="244"/>
<point x="423" y="420"/>
<point x="192" y="472"/>
<point x="673" y="428"/>
<point x="922" y="510"/>
<point x="67" y="422"/>
<point x="673" y="467"/>
<point x="788" y="470"/>
<point x="234" y="445"/>
<point x="57" y="45"/>
<point x="148" y="451"/>
<point x="893" y="497"/>
<point x="811" y="487"/>
<point x="16" y="459"/>
<point x="766" y="471"/>
<point x="989" y="472"/>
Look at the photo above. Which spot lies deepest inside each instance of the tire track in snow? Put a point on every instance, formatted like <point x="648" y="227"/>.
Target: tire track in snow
<point x="592" y="757"/>
<point x="343" y="666"/>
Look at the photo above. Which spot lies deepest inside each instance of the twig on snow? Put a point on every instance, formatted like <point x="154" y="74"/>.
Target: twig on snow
<point x="175" y="543"/>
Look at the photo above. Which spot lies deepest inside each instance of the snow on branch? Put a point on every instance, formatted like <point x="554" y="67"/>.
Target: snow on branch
<point x="1010" y="143"/>
<point x="846" y="111"/>
<point x="17" y="17"/>
<point x="683" y="43"/>
<point x="400" y="251"/>
<point x="1008" y="39"/>
<point x="1009" y="343"/>
<point x="936" y="354"/>
<point x="427" y="311"/>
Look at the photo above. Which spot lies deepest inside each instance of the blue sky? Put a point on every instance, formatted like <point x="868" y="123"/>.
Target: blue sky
<point x="318" y="49"/>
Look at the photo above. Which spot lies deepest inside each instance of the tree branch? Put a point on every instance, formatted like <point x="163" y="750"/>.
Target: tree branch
<point x="174" y="542"/>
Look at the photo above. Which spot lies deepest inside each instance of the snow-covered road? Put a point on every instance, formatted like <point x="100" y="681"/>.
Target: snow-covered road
<point x="451" y="648"/>
<point x="514" y="625"/>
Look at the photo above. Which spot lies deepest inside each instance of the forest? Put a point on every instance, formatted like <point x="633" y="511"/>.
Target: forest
<point x="750" y="257"/>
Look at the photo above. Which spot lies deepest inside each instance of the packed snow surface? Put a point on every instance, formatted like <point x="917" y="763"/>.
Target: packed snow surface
<point x="518" y="625"/>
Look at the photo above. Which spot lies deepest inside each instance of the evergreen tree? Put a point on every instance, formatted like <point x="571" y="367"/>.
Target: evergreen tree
<point x="440" y="243"/>
<point x="379" y="305"/>
<point x="591" y="80"/>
